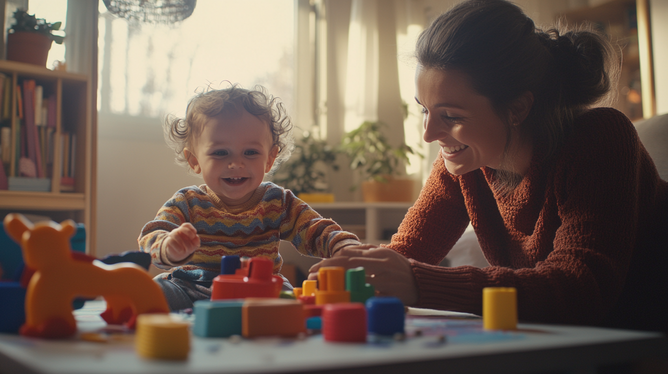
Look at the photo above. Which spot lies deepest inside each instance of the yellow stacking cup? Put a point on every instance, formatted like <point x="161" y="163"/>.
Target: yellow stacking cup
<point x="162" y="337"/>
<point x="499" y="308"/>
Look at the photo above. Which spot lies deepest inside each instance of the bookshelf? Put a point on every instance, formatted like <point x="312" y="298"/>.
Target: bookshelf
<point x="63" y="141"/>
<point x="627" y="22"/>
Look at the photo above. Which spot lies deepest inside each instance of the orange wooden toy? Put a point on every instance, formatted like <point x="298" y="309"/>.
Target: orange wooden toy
<point x="59" y="278"/>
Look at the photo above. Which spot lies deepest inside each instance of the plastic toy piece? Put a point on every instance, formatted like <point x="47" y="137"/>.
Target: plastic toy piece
<point x="60" y="277"/>
<point x="272" y="317"/>
<point x="344" y="323"/>
<point x="287" y="295"/>
<point x="307" y="300"/>
<point x="12" y="310"/>
<point x="314" y="323"/>
<point x="499" y="308"/>
<point x="162" y="336"/>
<point x="360" y="290"/>
<point x="297" y="291"/>
<point x="386" y="316"/>
<point x="309" y="287"/>
<point x="332" y="286"/>
<point x="260" y="282"/>
<point x="230" y="264"/>
<point x="217" y="319"/>
<point x="313" y="310"/>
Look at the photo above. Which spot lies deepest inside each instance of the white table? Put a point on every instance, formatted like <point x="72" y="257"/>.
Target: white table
<point x="533" y="348"/>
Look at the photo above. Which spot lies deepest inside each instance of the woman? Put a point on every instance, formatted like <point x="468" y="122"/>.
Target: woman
<point x="566" y="202"/>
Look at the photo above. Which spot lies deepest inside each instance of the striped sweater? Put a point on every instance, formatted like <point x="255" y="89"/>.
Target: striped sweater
<point x="254" y="229"/>
<point x="583" y="238"/>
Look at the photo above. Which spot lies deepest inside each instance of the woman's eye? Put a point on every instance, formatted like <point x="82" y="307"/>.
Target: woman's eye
<point x="452" y="119"/>
<point x="423" y="110"/>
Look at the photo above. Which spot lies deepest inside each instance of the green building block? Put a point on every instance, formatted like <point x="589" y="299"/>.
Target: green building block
<point x="356" y="284"/>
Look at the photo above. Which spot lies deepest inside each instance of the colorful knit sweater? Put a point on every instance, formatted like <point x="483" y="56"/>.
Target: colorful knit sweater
<point x="254" y="229"/>
<point x="583" y="238"/>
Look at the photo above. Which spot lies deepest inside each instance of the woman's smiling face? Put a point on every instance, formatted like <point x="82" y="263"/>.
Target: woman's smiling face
<point x="463" y="122"/>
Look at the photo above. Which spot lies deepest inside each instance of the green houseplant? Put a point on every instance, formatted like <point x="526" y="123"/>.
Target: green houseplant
<point x="305" y="173"/>
<point x="380" y="164"/>
<point x="29" y="38"/>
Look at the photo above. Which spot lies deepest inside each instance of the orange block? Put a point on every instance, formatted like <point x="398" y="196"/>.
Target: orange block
<point x="332" y="286"/>
<point x="272" y="317"/>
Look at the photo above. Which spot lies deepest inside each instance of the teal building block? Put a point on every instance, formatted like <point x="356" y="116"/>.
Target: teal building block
<point x="217" y="319"/>
<point x="356" y="284"/>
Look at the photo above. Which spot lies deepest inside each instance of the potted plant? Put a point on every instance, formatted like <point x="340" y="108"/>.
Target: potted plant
<point x="380" y="164"/>
<point x="29" y="38"/>
<point x="305" y="173"/>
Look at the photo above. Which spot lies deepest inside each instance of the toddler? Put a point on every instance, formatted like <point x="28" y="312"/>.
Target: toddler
<point x="232" y="137"/>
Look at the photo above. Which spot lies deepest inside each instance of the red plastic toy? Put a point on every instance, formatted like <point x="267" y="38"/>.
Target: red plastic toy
<point x="260" y="282"/>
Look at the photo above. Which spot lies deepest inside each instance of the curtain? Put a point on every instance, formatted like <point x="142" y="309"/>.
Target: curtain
<point x="80" y="43"/>
<point x="367" y="75"/>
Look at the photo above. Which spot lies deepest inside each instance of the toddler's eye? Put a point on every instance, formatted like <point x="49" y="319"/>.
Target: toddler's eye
<point x="251" y="152"/>
<point x="221" y="152"/>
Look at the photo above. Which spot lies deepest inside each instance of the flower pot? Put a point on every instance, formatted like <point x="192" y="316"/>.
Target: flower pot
<point x="29" y="47"/>
<point x="398" y="190"/>
<point x="316" y="197"/>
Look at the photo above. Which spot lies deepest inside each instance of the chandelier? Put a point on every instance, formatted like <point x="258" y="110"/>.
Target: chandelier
<point x="152" y="11"/>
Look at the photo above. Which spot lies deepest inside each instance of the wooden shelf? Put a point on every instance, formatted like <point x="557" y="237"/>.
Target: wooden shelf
<point x="73" y="115"/>
<point x="378" y="220"/>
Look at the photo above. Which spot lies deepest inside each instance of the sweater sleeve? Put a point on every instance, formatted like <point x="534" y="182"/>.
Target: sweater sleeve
<point x="309" y="232"/>
<point x="436" y="221"/>
<point x="584" y="256"/>
<point x="170" y="216"/>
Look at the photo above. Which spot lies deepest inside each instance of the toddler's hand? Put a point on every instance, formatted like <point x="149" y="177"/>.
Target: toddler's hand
<point x="181" y="242"/>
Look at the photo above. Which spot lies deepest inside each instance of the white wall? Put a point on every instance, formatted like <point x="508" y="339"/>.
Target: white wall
<point x="136" y="175"/>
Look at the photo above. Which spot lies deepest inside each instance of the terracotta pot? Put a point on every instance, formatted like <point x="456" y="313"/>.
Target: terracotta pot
<point x="28" y="47"/>
<point x="399" y="190"/>
<point x="316" y="197"/>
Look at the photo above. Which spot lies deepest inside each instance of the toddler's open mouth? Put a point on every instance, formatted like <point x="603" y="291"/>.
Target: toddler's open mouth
<point x="235" y="181"/>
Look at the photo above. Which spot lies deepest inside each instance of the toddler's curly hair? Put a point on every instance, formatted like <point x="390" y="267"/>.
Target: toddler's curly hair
<point x="180" y="133"/>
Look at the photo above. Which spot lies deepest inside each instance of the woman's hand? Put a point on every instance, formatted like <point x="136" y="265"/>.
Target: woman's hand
<point x="386" y="270"/>
<point x="181" y="242"/>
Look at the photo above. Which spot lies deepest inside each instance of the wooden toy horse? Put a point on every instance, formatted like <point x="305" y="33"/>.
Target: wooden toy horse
<point x="59" y="277"/>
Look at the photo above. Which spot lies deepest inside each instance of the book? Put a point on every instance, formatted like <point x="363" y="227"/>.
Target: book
<point x="4" y="183"/>
<point x="38" y="94"/>
<point x="29" y="184"/>
<point x="6" y="144"/>
<point x="32" y="137"/>
<point x="7" y="99"/>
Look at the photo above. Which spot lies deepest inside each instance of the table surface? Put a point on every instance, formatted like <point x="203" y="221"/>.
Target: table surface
<point x="435" y="341"/>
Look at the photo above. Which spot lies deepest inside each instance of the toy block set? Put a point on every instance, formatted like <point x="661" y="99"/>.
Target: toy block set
<point x="246" y="299"/>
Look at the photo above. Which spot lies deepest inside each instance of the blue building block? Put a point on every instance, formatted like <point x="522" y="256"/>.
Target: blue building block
<point x="217" y="319"/>
<point x="360" y="290"/>
<point x="314" y="323"/>
<point x="385" y="316"/>
<point x="229" y="264"/>
<point x="12" y="307"/>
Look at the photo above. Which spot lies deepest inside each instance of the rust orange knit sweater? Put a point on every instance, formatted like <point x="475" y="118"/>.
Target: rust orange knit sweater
<point x="583" y="238"/>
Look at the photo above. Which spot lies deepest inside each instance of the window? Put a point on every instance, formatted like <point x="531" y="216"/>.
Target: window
<point x="150" y="70"/>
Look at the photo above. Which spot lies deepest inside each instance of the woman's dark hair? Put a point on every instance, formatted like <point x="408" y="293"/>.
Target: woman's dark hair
<point x="505" y="55"/>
